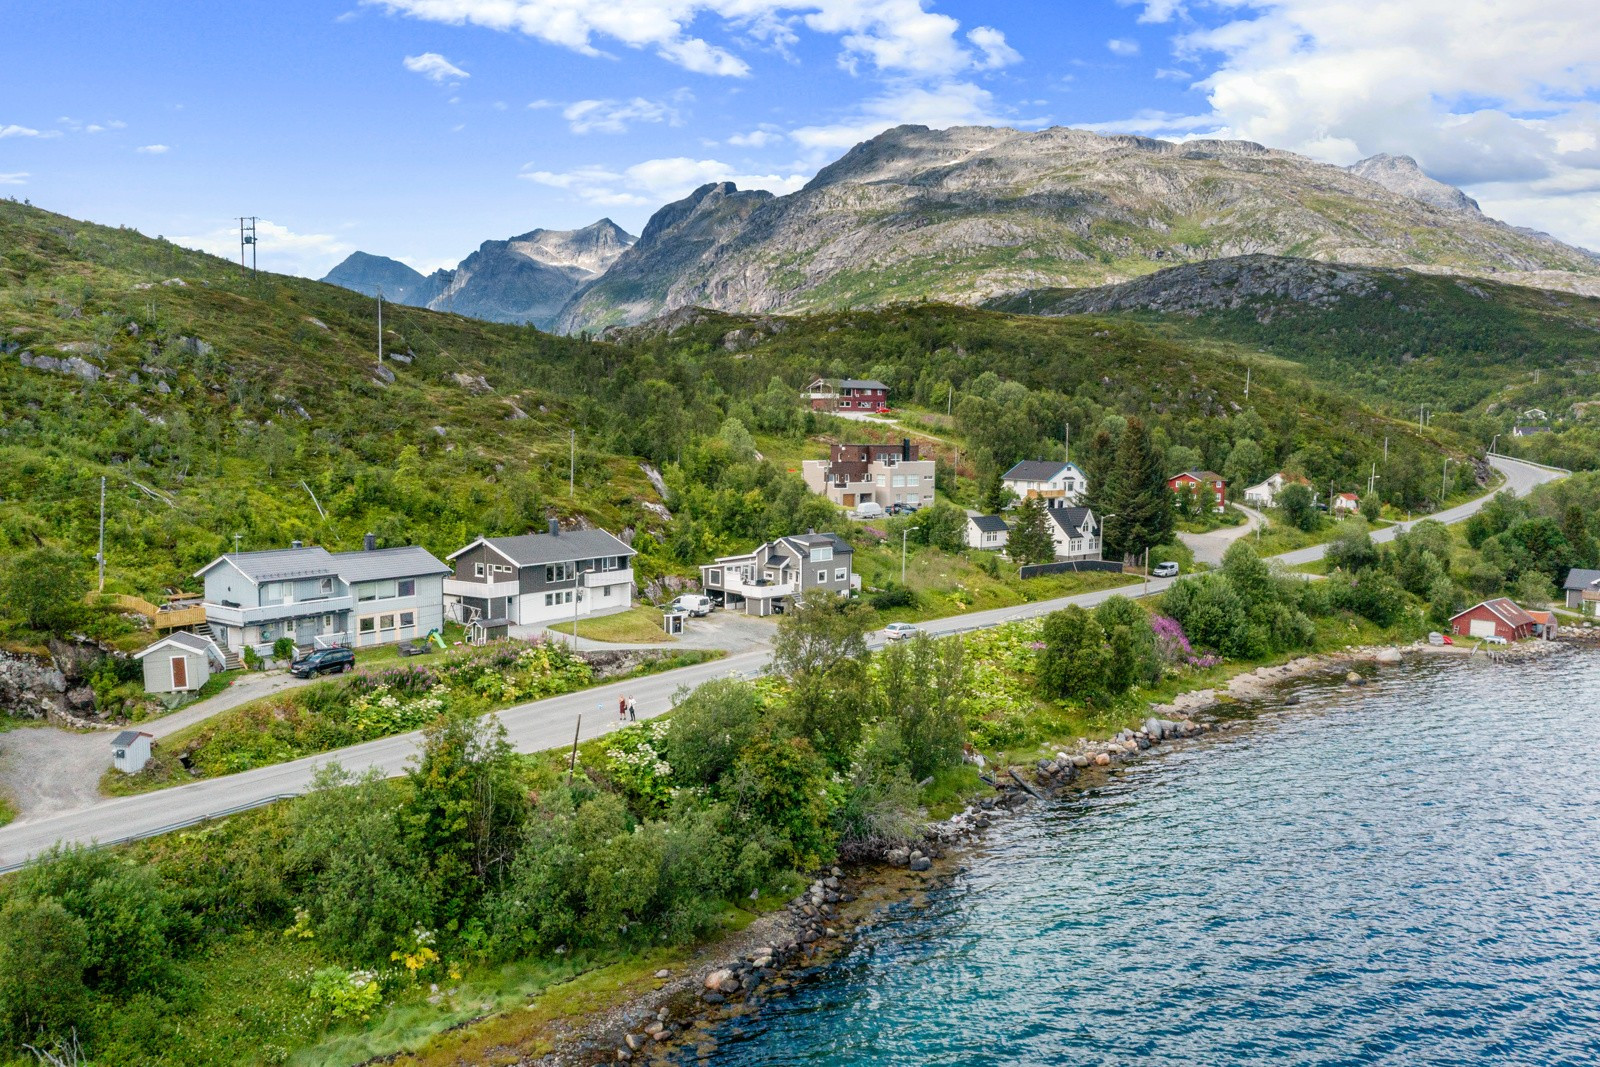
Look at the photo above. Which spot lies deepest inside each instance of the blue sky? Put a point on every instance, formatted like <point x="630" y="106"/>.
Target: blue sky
<point x="417" y="128"/>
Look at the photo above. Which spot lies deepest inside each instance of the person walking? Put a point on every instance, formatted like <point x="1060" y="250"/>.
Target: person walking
<point x="622" y="708"/>
<point x="633" y="710"/>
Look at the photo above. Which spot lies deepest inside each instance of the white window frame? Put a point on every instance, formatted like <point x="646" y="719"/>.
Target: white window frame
<point x="840" y="573"/>
<point x="822" y="577"/>
<point x="477" y="569"/>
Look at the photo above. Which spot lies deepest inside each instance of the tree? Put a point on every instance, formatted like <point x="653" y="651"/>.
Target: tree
<point x="709" y="728"/>
<point x="44" y="588"/>
<point x="43" y="951"/>
<point x="1249" y="575"/>
<point x="1299" y="510"/>
<point x="1371" y="506"/>
<point x="1074" y="660"/>
<point x="1575" y="528"/>
<point x="779" y="783"/>
<point x="943" y="526"/>
<point x="1210" y="613"/>
<point x="822" y="646"/>
<point x="1352" y="550"/>
<point x="1134" y="658"/>
<point x="1030" y="540"/>
<point x="819" y="631"/>
<point x="1244" y="463"/>
<point x="922" y="686"/>
<point x="1138" y="511"/>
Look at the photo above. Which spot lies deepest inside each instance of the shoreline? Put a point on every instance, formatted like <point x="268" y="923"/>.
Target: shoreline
<point x="736" y="973"/>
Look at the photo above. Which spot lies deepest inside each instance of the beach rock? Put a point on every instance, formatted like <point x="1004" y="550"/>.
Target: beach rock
<point x="1388" y="655"/>
<point x="1355" y="679"/>
<point x="663" y="974"/>
<point x="1102" y="760"/>
<point x="634" y="1042"/>
<point x="711" y="996"/>
<point x="1080" y="761"/>
<point x="920" y="863"/>
<point x="715" y="979"/>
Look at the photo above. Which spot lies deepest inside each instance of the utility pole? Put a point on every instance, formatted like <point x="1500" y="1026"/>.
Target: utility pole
<point x="1444" y="481"/>
<point x="1067" y="438"/>
<point x="1493" y="442"/>
<point x="1385" y="450"/>
<point x="380" y="326"/>
<point x="572" y="466"/>
<point x="903" y="535"/>
<point x="1247" y="383"/>
<point x="1372" y="479"/>
<point x="247" y="237"/>
<point x="100" y="557"/>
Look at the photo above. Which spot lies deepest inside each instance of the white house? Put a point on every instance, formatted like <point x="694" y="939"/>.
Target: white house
<point x="179" y="663"/>
<point x="130" y="751"/>
<point x="1059" y="484"/>
<point x="1076" y="533"/>
<point x="987" y="532"/>
<point x="1346" y="504"/>
<point x="1265" y="495"/>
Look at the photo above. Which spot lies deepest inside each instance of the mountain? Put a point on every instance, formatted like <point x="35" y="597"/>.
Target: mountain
<point x="524" y="279"/>
<point x="972" y="213"/>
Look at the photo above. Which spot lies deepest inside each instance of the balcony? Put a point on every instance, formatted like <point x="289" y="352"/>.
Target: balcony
<point x="481" y="590"/>
<point x="228" y="613"/>
<point x="760" y="589"/>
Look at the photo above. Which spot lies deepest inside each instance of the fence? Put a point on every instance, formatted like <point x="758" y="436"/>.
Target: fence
<point x="1035" y="570"/>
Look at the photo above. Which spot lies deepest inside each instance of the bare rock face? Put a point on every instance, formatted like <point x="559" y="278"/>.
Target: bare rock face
<point x="1400" y="174"/>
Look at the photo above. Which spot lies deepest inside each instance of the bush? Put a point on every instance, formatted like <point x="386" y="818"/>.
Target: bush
<point x="43" y="589"/>
<point x="922" y="690"/>
<point x="709" y="728"/>
<point x="1352" y="550"/>
<point x="1298" y="508"/>
<point x="1372" y="594"/>
<point x="1210" y="613"/>
<point x="780" y="785"/>
<point x="283" y="648"/>
<point x="893" y="595"/>
<point x="44" y="951"/>
<point x="1074" y="660"/>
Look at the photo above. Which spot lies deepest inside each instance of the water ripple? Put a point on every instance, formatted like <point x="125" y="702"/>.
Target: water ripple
<point x="1399" y="875"/>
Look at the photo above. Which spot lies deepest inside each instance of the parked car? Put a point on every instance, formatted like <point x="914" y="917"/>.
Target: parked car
<point x="324" y="661"/>
<point x="898" y="631"/>
<point x="1164" y="570"/>
<point x="694" y="604"/>
<point x="870" y="509"/>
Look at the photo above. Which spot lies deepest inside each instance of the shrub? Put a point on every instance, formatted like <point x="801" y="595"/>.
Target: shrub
<point x="893" y="595"/>
<point x="43" y="953"/>
<point x="283" y="648"/>
<point x="635" y="763"/>
<point x="710" y="727"/>
<point x="1074" y="660"/>
<point x="346" y="994"/>
<point x="780" y="784"/>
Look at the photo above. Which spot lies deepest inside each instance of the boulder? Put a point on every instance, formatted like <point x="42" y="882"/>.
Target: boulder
<point x="921" y="862"/>
<point x="715" y="979"/>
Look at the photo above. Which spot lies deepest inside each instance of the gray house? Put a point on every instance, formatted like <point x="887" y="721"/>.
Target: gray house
<point x="537" y="579"/>
<point x="320" y="599"/>
<point x="1583" y="590"/>
<point x="1075" y="531"/>
<point x="762" y="581"/>
<point x="179" y="663"/>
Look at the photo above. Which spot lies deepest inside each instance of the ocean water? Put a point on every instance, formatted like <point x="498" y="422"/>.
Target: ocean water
<point x="1407" y="873"/>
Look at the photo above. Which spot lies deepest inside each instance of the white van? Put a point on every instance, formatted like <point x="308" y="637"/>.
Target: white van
<point x="869" y="510"/>
<point x="694" y="604"/>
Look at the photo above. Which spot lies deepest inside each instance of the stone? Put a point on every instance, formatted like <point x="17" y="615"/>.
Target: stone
<point x="729" y="984"/>
<point x="921" y="863"/>
<point x="898" y="857"/>
<point x="623" y="1055"/>
<point x="663" y="974"/>
<point x="1102" y="760"/>
<point x="655" y="1028"/>
<point x="1355" y="679"/>
<point x="634" y="1042"/>
<point x="1080" y="761"/>
<point x="711" y="996"/>
<point x="1388" y="655"/>
<point x="715" y="979"/>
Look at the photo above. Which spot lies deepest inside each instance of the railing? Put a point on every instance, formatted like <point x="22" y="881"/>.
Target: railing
<point x="481" y="590"/>
<point x="163" y="617"/>
<point x="758" y="590"/>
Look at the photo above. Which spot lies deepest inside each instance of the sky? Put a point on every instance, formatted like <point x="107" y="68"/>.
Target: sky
<point x="419" y="128"/>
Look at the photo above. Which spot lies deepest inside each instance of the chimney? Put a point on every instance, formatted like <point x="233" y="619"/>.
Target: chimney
<point x="369" y="542"/>
<point x="905" y="448"/>
<point x="296" y="544"/>
<point x="555" y="528"/>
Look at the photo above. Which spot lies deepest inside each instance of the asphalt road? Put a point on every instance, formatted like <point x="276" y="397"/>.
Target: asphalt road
<point x="534" y="727"/>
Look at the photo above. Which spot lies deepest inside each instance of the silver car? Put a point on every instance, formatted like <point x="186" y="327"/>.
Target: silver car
<point x="898" y="631"/>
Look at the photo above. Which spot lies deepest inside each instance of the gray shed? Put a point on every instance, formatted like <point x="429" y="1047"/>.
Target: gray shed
<point x="179" y="663"/>
<point x="130" y="751"/>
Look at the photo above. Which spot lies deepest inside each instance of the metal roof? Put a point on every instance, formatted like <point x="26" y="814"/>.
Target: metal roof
<point x="411" y="561"/>
<point x="1035" y="470"/>
<point x="277" y="564"/>
<point x="806" y="542"/>
<point x="988" y="523"/>
<point x="128" y="737"/>
<point x="861" y="383"/>
<point x="532" y="549"/>
<point x="1579" y="578"/>
<point x="1201" y="476"/>
<point x="186" y="640"/>
<point x="1070" y="519"/>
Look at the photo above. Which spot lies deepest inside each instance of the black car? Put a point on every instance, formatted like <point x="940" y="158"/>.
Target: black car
<point x="324" y="661"/>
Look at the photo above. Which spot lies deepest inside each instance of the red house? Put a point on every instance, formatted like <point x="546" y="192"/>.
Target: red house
<point x="1494" y="618"/>
<point x="1210" y="485"/>
<point x="848" y="394"/>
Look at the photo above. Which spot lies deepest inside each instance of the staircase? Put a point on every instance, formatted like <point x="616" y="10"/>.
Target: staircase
<point x="230" y="658"/>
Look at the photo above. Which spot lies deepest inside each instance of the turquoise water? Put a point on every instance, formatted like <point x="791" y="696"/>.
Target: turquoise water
<point x="1403" y="874"/>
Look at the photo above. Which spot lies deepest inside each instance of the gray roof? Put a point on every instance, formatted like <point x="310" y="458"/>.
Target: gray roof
<point x="276" y="564"/>
<point x="412" y="561"/>
<point x="1578" y="578"/>
<point x="127" y="737"/>
<point x="988" y="523"/>
<point x="532" y="549"/>
<point x="189" y="641"/>
<point x="861" y="383"/>
<point x="806" y="542"/>
<point x="1069" y="519"/>
<point x="1034" y="470"/>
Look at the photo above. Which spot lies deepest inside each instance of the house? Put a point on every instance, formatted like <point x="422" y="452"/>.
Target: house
<point x="847" y="394"/>
<point x="1346" y="504"/>
<point x="762" y="581"/>
<point x="534" y="579"/>
<point x="1528" y="431"/>
<point x="320" y="599"/>
<point x="1536" y="415"/>
<point x="1076" y="533"/>
<point x="180" y="663"/>
<point x="1545" y="624"/>
<point x="130" y="751"/>
<point x="1213" y="489"/>
<point x="1058" y="484"/>
<point x="1265" y="495"/>
<point x="887" y="475"/>
<point x="987" y="531"/>
<point x="1583" y="590"/>
<point x="1494" y="618"/>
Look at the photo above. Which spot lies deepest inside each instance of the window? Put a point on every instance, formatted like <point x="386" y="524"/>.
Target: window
<point x="325" y="587"/>
<point x="477" y="569"/>
<point x="822" y="553"/>
<point x="839" y="574"/>
<point x="605" y="590"/>
<point x="408" y="618"/>
<point x="368" y="625"/>
<point x="408" y="587"/>
<point x="559" y="572"/>
<point x="549" y="599"/>
<point x="367" y="592"/>
<point x="822" y="576"/>
<point x="898" y="482"/>
<point x="880" y="480"/>
<point x="569" y="596"/>
<point x="913" y="480"/>
<point x="385" y="622"/>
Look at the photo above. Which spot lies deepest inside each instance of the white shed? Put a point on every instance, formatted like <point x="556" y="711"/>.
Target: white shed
<point x="179" y="663"/>
<point x="130" y="751"/>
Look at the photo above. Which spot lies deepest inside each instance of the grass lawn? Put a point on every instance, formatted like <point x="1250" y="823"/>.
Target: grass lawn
<point x="454" y="634"/>
<point x="953" y="583"/>
<point x="639" y="625"/>
<point x="7" y="810"/>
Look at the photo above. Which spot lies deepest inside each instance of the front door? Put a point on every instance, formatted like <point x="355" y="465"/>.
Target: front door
<point x="849" y="500"/>
<point x="180" y="673"/>
<point x="305" y="630"/>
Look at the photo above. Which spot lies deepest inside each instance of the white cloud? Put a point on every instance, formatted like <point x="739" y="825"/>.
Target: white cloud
<point x="1123" y="46"/>
<point x="278" y="248"/>
<point x="14" y="130"/>
<point x="657" y="181"/>
<point x="435" y="68"/>
<point x="614" y="116"/>
<point x="898" y="37"/>
<point x="1500" y="98"/>
<point x="152" y="149"/>
<point x="1171" y="74"/>
<point x="758" y="138"/>
<point x="16" y="177"/>
<point x="939" y="106"/>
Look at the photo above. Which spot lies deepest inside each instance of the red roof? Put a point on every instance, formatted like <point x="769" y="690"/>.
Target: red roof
<point x="1508" y="612"/>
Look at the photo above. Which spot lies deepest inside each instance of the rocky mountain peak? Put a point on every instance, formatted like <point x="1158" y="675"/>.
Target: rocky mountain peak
<point x="1401" y="174"/>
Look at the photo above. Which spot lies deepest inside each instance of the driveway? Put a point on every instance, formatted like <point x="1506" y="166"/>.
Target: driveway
<point x="1209" y="547"/>
<point x="533" y="727"/>
<point x="727" y="631"/>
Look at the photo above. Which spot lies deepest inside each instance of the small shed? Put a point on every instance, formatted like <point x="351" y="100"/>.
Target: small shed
<point x="1493" y="618"/>
<point x="179" y="663"/>
<point x="672" y="622"/>
<point x="1346" y="504"/>
<point x="482" y="631"/>
<point x="130" y="751"/>
<point x="1545" y="624"/>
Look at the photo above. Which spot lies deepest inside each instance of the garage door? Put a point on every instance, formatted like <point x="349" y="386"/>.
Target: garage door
<point x="1482" y="628"/>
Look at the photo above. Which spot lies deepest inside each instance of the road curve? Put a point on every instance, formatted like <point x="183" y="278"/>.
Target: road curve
<point x="544" y="724"/>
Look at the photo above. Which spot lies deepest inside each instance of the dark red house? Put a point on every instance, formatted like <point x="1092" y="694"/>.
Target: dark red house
<point x="1494" y="618"/>
<point x="847" y="394"/>
<point x="1213" y="489"/>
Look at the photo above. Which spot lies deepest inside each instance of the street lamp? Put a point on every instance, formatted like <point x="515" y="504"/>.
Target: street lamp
<point x="1493" y="443"/>
<point x="903" y="535"/>
<point x="1444" y="481"/>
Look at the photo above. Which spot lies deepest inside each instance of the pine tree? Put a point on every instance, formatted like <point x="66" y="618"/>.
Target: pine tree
<point x="1138" y="497"/>
<point x="1030" y="540"/>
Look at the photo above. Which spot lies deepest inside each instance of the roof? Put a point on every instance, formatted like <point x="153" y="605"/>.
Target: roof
<point x="1578" y="578"/>
<point x="806" y="542"/>
<point x="988" y="523"/>
<point x="1035" y="470"/>
<point x="128" y="737"/>
<point x="187" y="641"/>
<point x="1543" y="618"/>
<point x="1070" y="519"/>
<point x="1348" y="496"/>
<point x="1200" y="476"/>
<point x="1507" y="611"/>
<point x="408" y="562"/>
<point x="277" y="564"/>
<point x="861" y="383"/>
<point x="529" y="550"/>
